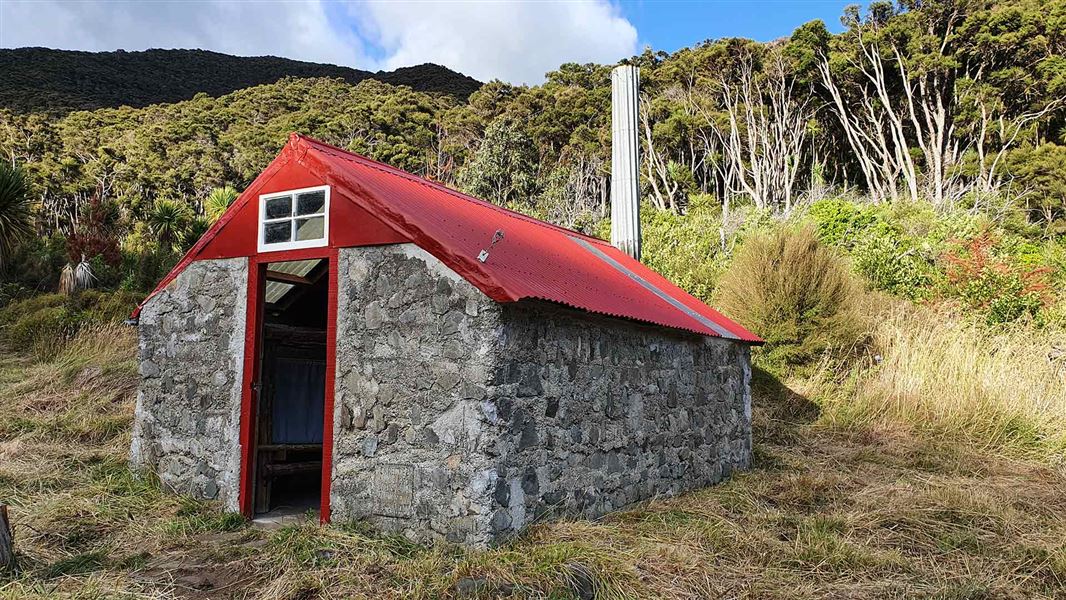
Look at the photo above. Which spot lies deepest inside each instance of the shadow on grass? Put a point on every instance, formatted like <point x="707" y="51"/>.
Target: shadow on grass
<point x="778" y="410"/>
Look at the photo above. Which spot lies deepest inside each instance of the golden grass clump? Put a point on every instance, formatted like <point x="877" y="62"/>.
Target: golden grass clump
<point x="795" y="293"/>
<point x="1001" y="388"/>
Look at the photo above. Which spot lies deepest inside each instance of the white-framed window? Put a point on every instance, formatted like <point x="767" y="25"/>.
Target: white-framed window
<point x="294" y="219"/>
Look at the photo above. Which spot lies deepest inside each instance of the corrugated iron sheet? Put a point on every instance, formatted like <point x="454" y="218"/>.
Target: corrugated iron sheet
<point x="276" y="290"/>
<point x="533" y="259"/>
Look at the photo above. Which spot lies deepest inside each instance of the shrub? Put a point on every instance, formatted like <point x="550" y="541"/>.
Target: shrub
<point x="994" y="284"/>
<point x="895" y="262"/>
<point x="684" y="248"/>
<point x="887" y="245"/>
<point x="841" y="222"/>
<point x="44" y="332"/>
<point x="108" y="307"/>
<point x="20" y="308"/>
<point x="44" y="325"/>
<point x="36" y="262"/>
<point x="796" y="294"/>
<point x="10" y="291"/>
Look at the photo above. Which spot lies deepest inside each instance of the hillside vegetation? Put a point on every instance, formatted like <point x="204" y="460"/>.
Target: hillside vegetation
<point x="60" y="81"/>
<point x="886" y="207"/>
<point x="953" y="106"/>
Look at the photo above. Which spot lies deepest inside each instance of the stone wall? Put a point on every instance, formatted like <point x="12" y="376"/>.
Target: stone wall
<point x="187" y="418"/>
<point x="416" y="349"/>
<point x="460" y="419"/>
<point x="599" y="413"/>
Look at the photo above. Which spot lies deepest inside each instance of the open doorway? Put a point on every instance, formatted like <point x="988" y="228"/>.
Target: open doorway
<point x="290" y="414"/>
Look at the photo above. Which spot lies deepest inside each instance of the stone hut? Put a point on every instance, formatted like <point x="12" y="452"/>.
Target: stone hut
<point x="353" y="339"/>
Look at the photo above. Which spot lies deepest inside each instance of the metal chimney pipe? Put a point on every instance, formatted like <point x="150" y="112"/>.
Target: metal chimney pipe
<point x="625" y="160"/>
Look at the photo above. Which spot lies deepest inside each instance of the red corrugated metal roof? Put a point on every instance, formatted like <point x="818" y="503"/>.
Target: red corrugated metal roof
<point x="534" y="259"/>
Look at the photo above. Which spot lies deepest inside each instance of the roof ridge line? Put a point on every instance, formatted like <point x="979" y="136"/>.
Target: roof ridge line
<point x="441" y="187"/>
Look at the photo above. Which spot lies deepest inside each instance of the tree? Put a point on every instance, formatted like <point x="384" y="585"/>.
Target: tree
<point x="15" y="216"/>
<point x="169" y="220"/>
<point x="767" y="136"/>
<point x="504" y="168"/>
<point x="218" y="201"/>
<point x="1040" y="175"/>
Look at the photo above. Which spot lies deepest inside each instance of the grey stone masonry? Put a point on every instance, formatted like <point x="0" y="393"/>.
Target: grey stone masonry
<point x="416" y="348"/>
<point x="599" y="413"/>
<point x="464" y="420"/>
<point x="187" y="418"/>
<point x="455" y="418"/>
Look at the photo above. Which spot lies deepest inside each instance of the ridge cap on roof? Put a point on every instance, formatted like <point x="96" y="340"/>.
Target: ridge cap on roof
<point x="298" y="137"/>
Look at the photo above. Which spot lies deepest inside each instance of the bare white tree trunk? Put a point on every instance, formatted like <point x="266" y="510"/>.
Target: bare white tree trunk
<point x="767" y="137"/>
<point x="664" y="187"/>
<point x="1005" y="132"/>
<point x="881" y="132"/>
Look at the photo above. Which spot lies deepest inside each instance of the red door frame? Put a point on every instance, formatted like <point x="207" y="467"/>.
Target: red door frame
<point x="249" y="395"/>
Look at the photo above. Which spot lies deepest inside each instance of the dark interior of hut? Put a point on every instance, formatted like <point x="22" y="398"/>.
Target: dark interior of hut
<point x="292" y="396"/>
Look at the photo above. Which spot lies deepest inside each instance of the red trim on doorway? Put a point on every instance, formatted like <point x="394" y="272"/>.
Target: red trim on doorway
<point x="331" y="372"/>
<point x="288" y="255"/>
<point x="249" y="400"/>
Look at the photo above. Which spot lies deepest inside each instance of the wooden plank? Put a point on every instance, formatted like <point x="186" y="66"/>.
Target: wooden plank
<point x="291" y="447"/>
<point x="279" y="469"/>
<point x="287" y="278"/>
<point x="7" y="541"/>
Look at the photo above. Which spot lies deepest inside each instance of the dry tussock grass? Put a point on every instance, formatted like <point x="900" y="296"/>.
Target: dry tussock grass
<point x="1000" y="388"/>
<point x="799" y="295"/>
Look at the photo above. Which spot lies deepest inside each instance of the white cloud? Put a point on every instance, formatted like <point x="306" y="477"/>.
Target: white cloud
<point x="298" y="30"/>
<point x="514" y="41"/>
<point x="517" y="41"/>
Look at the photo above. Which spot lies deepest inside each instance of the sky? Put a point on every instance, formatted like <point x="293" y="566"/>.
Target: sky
<point x="516" y="41"/>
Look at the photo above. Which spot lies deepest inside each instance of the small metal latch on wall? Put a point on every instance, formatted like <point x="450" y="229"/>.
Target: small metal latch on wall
<point x="484" y="254"/>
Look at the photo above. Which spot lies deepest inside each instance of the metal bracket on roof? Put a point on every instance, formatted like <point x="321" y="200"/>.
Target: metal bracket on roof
<point x="484" y="254"/>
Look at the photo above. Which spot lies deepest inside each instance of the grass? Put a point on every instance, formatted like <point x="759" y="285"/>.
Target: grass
<point x="1002" y="388"/>
<point x="868" y="506"/>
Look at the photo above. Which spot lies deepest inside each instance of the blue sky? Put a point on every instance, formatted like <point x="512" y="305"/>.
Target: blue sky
<point x="673" y="24"/>
<point x="513" y="40"/>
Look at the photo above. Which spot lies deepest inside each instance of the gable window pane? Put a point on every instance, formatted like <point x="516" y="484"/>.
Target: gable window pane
<point x="275" y="233"/>
<point x="277" y="208"/>
<point x="310" y="203"/>
<point x="310" y="229"/>
<point x="294" y="220"/>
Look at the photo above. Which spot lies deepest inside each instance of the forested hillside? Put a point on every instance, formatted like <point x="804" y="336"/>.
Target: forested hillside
<point x="42" y="79"/>
<point x="955" y="106"/>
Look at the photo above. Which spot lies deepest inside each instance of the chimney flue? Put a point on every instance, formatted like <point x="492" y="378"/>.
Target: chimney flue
<point x="625" y="160"/>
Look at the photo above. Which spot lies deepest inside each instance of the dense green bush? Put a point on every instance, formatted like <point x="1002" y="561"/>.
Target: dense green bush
<point x="840" y="222"/>
<point x="895" y="262"/>
<point x="687" y="249"/>
<point x="888" y="256"/>
<point x="36" y="262"/>
<point x="684" y="248"/>
<point x="988" y="277"/>
<point x="40" y="325"/>
<point x="795" y="293"/>
<point x="44" y="324"/>
<point x="997" y="266"/>
<point x="107" y="307"/>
